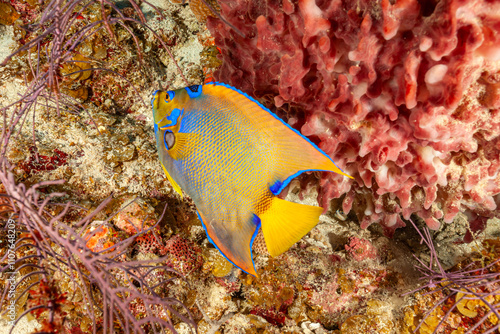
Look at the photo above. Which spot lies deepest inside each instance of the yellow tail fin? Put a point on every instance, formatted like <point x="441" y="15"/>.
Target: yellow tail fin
<point x="285" y="223"/>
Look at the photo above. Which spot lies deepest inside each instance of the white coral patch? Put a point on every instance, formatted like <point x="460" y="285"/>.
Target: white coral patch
<point x="435" y="74"/>
<point x="425" y="44"/>
<point x="7" y="42"/>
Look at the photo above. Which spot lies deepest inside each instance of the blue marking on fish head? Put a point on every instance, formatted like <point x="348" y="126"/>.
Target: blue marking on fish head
<point x="168" y="107"/>
<point x="194" y="91"/>
<point x="174" y="117"/>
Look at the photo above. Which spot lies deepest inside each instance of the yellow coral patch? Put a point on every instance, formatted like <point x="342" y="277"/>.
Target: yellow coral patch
<point x="199" y="9"/>
<point x="220" y="266"/>
<point x="78" y="63"/>
<point x="466" y="306"/>
<point x="8" y="14"/>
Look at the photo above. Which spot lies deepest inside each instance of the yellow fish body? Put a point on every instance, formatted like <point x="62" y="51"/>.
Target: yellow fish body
<point x="232" y="156"/>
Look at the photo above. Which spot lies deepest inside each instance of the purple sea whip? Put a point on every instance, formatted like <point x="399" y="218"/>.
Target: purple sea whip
<point x="55" y="247"/>
<point x="465" y="281"/>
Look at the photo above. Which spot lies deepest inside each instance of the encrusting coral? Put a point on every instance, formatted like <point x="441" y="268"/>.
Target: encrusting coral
<point x="403" y="95"/>
<point x="200" y="8"/>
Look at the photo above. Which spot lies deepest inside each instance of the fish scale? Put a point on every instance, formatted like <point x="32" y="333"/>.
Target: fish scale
<point x="217" y="129"/>
<point x="231" y="155"/>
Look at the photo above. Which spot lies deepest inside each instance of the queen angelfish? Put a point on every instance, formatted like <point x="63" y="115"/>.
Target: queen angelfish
<point x="232" y="156"/>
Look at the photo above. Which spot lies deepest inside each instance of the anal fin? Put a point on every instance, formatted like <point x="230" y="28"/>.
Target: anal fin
<point x="233" y="240"/>
<point x="284" y="223"/>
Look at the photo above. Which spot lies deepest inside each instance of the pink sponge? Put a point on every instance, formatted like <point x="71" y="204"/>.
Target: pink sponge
<point x="403" y="95"/>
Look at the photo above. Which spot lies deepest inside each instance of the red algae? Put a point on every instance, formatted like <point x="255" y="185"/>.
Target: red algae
<point x="402" y="95"/>
<point x="41" y="163"/>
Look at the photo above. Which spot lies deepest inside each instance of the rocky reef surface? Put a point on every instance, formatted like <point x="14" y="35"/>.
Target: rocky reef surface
<point x="403" y="95"/>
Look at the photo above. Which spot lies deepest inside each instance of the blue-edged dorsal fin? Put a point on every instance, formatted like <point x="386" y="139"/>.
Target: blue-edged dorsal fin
<point x="232" y="239"/>
<point x="294" y="152"/>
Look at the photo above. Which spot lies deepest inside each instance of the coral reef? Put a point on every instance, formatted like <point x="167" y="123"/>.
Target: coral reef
<point x="52" y="270"/>
<point x="183" y="255"/>
<point x="386" y="122"/>
<point x="375" y="320"/>
<point x="402" y="95"/>
<point x="220" y="267"/>
<point x="201" y="9"/>
<point x="135" y="215"/>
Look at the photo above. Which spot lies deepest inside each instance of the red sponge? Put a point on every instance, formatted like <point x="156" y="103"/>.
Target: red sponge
<point x="403" y="95"/>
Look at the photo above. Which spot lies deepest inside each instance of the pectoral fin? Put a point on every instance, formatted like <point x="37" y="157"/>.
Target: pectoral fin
<point x="184" y="146"/>
<point x="233" y="240"/>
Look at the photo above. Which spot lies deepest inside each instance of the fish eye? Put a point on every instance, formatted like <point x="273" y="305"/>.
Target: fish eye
<point x="169" y="96"/>
<point x="169" y="139"/>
